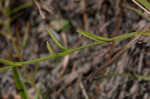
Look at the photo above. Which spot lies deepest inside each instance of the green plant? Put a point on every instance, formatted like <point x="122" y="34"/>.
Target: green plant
<point x="66" y="51"/>
<point x="63" y="53"/>
<point x="98" y="40"/>
<point x="7" y="12"/>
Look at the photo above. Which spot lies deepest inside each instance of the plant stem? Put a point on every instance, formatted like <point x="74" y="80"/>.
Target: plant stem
<point x="61" y="54"/>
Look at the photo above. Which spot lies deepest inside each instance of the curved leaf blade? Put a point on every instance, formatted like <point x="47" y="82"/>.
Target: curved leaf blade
<point x="55" y="40"/>
<point x="93" y="36"/>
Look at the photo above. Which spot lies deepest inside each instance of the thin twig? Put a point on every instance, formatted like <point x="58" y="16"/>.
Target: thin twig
<point x="85" y="17"/>
<point x="83" y="90"/>
<point x="40" y="10"/>
<point x="138" y="4"/>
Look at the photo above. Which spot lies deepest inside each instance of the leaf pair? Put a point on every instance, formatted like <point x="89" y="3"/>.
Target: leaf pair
<point x="56" y="42"/>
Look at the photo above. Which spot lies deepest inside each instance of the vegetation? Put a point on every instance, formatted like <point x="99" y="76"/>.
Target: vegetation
<point x="11" y="63"/>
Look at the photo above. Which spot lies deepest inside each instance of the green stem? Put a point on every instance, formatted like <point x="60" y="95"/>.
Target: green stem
<point x="61" y="54"/>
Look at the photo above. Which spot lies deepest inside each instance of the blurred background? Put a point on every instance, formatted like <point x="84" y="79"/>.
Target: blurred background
<point x="23" y="37"/>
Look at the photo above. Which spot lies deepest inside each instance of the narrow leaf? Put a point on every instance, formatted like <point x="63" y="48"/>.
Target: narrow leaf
<point x="50" y="48"/>
<point x="54" y="39"/>
<point x="93" y="36"/>
<point x="120" y="37"/>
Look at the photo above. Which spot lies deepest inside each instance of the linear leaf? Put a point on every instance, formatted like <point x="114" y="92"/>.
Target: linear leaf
<point x="50" y="48"/>
<point x="54" y="39"/>
<point x="120" y="37"/>
<point x="93" y="36"/>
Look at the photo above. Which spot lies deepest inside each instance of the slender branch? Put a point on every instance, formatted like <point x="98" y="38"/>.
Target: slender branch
<point x="61" y="54"/>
